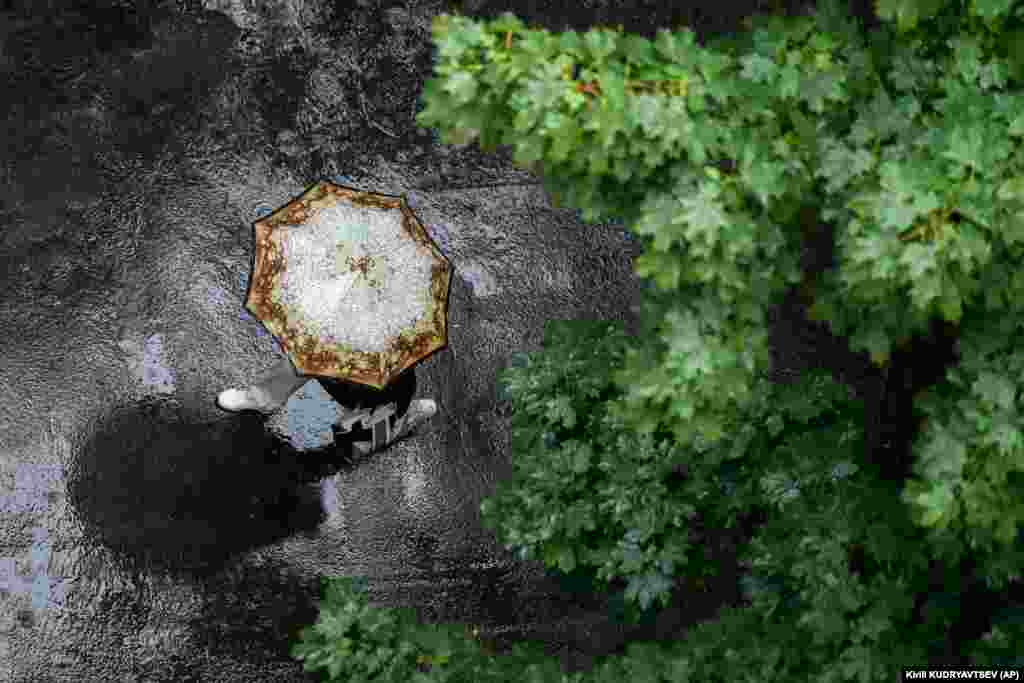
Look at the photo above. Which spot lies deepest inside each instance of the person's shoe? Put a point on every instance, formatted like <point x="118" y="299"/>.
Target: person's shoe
<point x="420" y="410"/>
<point x="235" y="400"/>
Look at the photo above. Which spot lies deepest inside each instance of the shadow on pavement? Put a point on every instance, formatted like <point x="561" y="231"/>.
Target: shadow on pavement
<point x="166" y="492"/>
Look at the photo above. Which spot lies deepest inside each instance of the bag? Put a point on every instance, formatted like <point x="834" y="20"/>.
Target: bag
<point x="373" y="415"/>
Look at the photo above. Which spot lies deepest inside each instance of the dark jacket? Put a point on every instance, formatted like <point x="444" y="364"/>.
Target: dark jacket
<point x="351" y="395"/>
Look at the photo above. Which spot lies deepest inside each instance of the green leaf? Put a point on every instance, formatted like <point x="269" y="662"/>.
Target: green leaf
<point x="997" y="391"/>
<point x="648" y="587"/>
<point x="893" y="213"/>
<point x="600" y="44"/>
<point x="950" y="305"/>
<point x="819" y="87"/>
<point x="758" y="69"/>
<point x="560" y="411"/>
<point x="559" y="556"/>
<point x="919" y="258"/>
<point x="675" y="47"/>
<point x="1011" y="189"/>
<point x="935" y="505"/>
<point x="1017" y="124"/>
<point x="991" y="9"/>
<point x="569" y="42"/>
<point x="566" y="139"/>
<point x="876" y="342"/>
<point x="926" y="289"/>
<point x="703" y="215"/>
<point x="665" y="269"/>
<point x="579" y="518"/>
<point x="1013" y="228"/>
<point x="765" y="179"/>
<point x="462" y="86"/>
<point x="907" y="13"/>
<point x="856" y="664"/>
<point x="581" y="459"/>
<point x="967" y="146"/>
<point x="840" y="164"/>
<point x="435" y="642"/>
<point x="943" y="458"/>
<point x="789" y="82"/>
<point x="650" y="114"/>
<point x="455" y="37"/>
<point x="1005" y="434"/>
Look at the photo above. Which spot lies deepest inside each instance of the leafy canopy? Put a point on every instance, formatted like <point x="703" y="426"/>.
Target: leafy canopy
<point x="907" y="140"/>
<point x="629" y="454"/>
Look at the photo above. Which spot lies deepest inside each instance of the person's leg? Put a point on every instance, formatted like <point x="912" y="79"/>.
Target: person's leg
<point x="271" y="390"/>
<point x="280" y="381"/>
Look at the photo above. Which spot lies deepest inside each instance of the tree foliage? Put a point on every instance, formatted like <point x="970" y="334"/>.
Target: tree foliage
<point x="629" y="451"/>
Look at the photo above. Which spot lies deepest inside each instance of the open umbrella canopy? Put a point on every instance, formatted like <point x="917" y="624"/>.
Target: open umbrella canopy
<point x="350" y="284"/>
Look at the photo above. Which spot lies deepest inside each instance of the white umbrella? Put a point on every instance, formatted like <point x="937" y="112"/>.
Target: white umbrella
<point x="350" y="284"/>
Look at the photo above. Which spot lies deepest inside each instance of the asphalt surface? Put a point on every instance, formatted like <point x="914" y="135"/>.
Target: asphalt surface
<point x="145" y="534"/>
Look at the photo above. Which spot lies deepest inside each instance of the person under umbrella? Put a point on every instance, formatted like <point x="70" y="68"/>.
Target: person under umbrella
<point x="364" y="406"/>
<point x="356" y="292"/>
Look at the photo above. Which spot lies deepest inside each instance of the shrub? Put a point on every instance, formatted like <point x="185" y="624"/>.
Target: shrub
<point x="354" y="642"/>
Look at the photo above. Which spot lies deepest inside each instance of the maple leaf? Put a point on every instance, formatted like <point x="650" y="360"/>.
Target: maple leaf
<point x="919" y="258"/>
<point x="907" y="13"/>
<point x="703" y="214"/>
<point x="966" y="145"/>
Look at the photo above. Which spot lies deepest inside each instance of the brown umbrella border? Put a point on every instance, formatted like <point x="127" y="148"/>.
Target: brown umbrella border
<point x="309" y="354"/>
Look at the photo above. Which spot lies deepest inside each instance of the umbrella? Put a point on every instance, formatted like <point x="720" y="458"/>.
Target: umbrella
<point x="350" y="284"/>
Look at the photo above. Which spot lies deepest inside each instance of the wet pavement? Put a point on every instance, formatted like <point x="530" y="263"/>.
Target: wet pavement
<point x="146" y="535"/>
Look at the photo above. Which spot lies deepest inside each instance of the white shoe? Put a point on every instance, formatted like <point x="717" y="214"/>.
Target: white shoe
<point x="235" y="400"/>
<point x="420" y="410"/>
